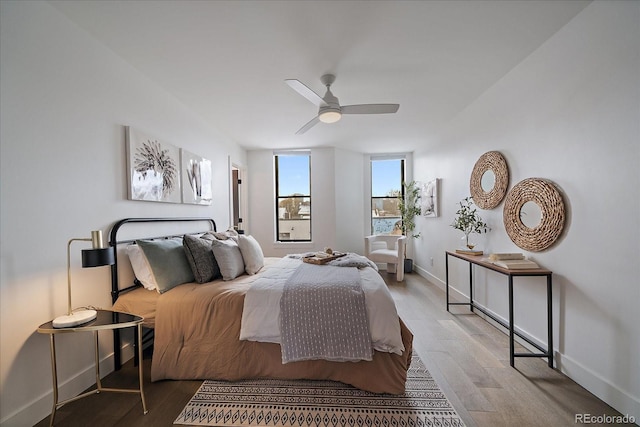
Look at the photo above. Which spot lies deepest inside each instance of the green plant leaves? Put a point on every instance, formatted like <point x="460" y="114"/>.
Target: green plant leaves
<point x="409" y="207"/>
<point x="467" y="219"/>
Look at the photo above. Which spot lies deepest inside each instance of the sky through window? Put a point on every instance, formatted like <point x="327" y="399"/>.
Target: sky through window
<point x="293" y="174"/>
<point x="385" y="177"/>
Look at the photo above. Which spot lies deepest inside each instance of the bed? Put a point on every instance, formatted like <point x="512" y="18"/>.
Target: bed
<point x="197" y="328"/>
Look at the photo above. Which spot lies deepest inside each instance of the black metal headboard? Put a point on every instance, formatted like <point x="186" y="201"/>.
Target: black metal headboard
<point x="113" y="241"/>
<point x="115" y="287"/>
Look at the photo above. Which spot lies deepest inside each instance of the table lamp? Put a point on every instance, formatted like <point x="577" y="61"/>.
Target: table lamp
<point x="95" y="257"/>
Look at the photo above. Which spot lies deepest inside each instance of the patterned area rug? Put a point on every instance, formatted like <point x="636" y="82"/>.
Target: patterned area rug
<point x="319" y="404"/>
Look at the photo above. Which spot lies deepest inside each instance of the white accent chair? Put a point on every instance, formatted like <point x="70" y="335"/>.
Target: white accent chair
<point x="389" y="249"/>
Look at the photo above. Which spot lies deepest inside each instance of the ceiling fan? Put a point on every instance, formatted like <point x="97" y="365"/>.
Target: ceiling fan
<point x="329" y="109"/>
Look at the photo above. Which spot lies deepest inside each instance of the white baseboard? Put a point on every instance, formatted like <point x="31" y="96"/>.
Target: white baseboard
<point x="464" y="297"/>
<point x="620" y="400"/>
<point x="430" y="277"/>
<point x="41" y="406"/>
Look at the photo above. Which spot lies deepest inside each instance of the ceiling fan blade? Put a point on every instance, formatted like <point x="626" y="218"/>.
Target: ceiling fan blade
<point x="370" y="109"/>
<point x="303" y="90"/>
<point x="308" y="126"/>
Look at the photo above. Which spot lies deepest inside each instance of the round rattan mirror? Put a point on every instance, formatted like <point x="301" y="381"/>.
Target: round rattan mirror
<point x="542" y="231"/>
<point x="489" y="180"/>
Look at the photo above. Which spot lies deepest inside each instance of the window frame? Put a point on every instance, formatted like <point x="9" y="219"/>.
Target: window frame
<point x="403" y="174"/>
<point x="278" y="197"/>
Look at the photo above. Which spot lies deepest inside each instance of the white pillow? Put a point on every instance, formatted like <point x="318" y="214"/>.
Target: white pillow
<point x="141" y="267"/>
<point x="251" y="253"/>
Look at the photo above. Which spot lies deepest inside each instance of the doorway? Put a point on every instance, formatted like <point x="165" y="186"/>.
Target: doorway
<point x="236" y="199"/>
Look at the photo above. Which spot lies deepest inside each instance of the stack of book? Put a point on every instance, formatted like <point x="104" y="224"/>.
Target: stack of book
<point x="506" y="256"/>
<point x="469" y="252"/>
<point x="512" y="261"/>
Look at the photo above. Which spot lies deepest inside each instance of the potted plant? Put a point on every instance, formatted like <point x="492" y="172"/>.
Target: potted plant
<point x="468" y="221"/>
<point x="409" y="207"/>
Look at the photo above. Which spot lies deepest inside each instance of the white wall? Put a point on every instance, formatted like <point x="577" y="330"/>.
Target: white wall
<point x="340" y="200"/>
<point x="65" y="100"/>
<point x="261" y="220"/>
<point x="350" y="174"/>
<point x="570" y="113"/>
<point x="340" y="191"/>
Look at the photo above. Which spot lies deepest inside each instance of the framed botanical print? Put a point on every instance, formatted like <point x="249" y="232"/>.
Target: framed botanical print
<point x="196" y="178"/>
<point x="152" y="168"/>
<point x="429" y="199"/>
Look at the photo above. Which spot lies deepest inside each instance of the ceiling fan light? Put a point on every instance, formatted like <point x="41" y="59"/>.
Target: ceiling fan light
<point x="330" y="116"/>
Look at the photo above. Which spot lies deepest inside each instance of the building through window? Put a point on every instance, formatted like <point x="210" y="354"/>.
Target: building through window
<point x="293" y="196"/>
<point x="387" y="176"/>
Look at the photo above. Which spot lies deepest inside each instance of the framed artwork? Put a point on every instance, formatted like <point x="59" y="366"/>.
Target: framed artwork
<point x="196" y="179"/>
<point x="152" y="168"/>
<point x="429" y="199"/>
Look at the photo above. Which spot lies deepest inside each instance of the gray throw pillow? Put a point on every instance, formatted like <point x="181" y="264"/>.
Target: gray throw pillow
<point x="200" y="256"/>
<point x="168" y="262"/>
<point x="229" y="258"/>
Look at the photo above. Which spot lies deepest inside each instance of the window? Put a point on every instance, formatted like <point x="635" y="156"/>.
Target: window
<point x="293" y="197"/>
<point x="387" y="176"/>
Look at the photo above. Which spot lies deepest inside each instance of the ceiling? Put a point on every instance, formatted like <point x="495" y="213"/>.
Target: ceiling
<point x="227" y="60"/>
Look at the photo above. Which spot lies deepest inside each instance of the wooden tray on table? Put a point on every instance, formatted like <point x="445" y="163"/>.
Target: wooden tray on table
<point x="314" y="259"/>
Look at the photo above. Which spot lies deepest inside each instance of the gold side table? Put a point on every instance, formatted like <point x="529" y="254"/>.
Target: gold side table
<point x="105" y="320"/>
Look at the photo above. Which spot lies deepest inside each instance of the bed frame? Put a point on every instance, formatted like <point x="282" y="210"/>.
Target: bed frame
<point x="114" y="241"/>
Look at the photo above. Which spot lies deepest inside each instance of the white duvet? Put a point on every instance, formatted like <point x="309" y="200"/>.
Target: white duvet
<point x="261" y="313"/>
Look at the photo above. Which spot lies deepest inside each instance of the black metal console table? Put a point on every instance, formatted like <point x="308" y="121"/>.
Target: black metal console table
<point x="485" y="263"/>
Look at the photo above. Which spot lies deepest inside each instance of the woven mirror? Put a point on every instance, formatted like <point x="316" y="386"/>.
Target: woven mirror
<point x="534" y="214"/>
<point x="489" y="180"/>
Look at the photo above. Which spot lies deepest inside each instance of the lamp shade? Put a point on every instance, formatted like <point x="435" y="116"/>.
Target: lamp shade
<point x="95" y="257"/>
<point x="330" y="115"/>
<point x="98" y="257"/>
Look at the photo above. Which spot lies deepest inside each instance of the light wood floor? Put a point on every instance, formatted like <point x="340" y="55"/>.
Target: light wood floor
<point x="467" y="356"/>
